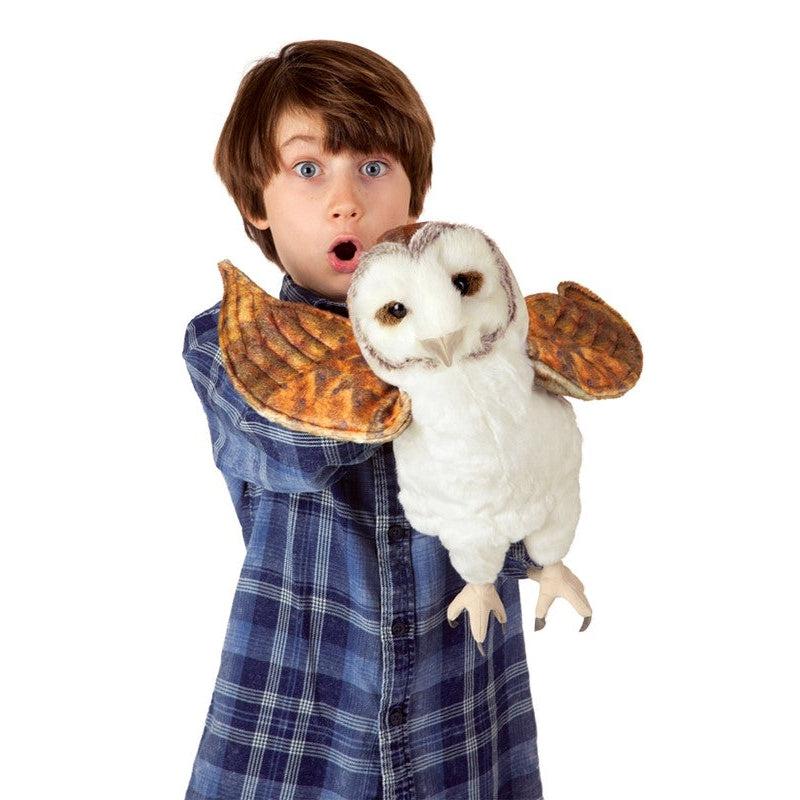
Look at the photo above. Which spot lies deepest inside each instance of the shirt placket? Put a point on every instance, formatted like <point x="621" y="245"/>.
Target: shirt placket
<point x="398" y="617"/>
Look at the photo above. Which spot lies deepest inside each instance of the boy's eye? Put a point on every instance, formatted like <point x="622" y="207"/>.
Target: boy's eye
<point x="374" y="168"/>
<point x="305" y="166"/>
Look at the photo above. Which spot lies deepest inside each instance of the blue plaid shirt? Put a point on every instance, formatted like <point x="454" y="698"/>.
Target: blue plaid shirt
<point x="340" y="678"/>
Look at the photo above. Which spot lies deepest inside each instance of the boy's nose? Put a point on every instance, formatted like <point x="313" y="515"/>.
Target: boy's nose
<point x="345" y="201"/>
<point x="349" y="213"/>
<point x="346" y="206"/>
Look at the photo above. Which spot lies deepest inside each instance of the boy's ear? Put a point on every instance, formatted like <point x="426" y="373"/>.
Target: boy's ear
<point x="261" y="224"/>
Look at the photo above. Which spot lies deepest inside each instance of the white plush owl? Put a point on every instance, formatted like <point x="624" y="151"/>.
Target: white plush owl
<point x="449" y="360"/>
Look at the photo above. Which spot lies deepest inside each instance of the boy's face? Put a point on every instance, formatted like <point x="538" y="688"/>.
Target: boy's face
<point x="317" y="196"/>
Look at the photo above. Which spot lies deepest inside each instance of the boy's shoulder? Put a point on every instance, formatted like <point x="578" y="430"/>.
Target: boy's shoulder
<point x="202" y="329"/>
<point x="206" y="320"/>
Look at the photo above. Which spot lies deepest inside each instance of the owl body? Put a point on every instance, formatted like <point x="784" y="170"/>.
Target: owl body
<point x="489" y="459"/>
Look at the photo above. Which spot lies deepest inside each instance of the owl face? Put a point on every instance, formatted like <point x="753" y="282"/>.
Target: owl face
<point x="433" y="296"/>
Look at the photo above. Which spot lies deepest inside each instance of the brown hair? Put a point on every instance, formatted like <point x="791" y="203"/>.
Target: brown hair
<point x="365" y="101"/>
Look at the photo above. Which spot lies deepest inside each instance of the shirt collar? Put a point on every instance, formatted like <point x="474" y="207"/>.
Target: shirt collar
<point x="294" y="293"/>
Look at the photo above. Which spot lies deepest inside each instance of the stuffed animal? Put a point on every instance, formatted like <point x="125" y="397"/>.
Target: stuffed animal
<point x="443" y="355"/>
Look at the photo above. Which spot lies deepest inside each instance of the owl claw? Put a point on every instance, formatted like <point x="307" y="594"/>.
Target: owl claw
<point x="453" y="623"/>
<point x="557" y="580"/>
<point x="480" y="601"/>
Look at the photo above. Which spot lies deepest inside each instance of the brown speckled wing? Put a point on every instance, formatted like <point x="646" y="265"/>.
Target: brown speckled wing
<point x="301" y="367"/>
<point x="580" y="346"/>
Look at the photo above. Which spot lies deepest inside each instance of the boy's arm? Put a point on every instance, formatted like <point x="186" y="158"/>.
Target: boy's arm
<point x="252" y="448"/>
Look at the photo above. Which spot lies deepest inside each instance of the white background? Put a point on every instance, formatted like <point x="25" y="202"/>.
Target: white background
<point x="647" y="150"/>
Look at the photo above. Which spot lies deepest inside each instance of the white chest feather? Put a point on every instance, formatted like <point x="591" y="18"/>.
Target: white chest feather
<point x="486" y="452"/>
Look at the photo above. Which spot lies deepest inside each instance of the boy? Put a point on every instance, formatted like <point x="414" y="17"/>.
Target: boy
<point x="339" y="677"/>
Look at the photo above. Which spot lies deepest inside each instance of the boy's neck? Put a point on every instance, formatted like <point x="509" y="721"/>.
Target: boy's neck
<point x="295" y="293"/>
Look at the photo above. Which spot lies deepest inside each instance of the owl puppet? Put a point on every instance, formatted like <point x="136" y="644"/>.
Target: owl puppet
<point x="444" y="356"/>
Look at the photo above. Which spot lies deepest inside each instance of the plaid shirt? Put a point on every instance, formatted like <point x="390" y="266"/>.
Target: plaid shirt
<point x="340" y="678"/>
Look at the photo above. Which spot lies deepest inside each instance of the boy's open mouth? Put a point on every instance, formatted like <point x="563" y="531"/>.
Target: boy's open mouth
<point x="345" y="253"/>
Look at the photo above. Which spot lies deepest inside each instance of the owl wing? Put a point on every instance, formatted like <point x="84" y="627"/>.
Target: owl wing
<point x="579" y="345"/>
<point x="301" y="366"/>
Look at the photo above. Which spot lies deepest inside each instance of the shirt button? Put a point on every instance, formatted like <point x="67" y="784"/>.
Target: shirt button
<point x="399" y="628"/>
<point x="396" y="533"/>
<point x="396" y="715"/>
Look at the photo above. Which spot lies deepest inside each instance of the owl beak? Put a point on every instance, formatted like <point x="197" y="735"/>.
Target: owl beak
<point x="443" y="346"/>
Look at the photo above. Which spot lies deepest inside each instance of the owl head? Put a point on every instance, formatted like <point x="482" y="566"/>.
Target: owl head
<point x="433" y="296"/>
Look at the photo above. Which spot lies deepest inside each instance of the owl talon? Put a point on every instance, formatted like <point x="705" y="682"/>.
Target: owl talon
<point x="453" y="623"/>
<point x="557" y="580"/>
<point x="480" y="601"/>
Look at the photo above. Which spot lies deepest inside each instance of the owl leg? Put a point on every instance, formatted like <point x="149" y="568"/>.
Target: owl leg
<point x="548" y="545"/>
<point x="478" y="600"/>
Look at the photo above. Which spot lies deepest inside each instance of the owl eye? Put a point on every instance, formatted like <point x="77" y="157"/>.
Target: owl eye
<point x="391" y="313"/>
<point x="468" y="283"/>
